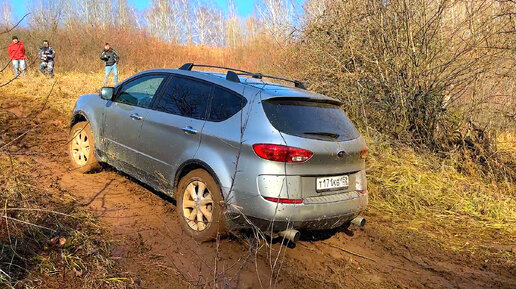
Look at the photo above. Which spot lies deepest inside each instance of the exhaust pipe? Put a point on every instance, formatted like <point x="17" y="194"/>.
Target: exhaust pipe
<point x="291" y="235"/>
<point x="359" y="221"/>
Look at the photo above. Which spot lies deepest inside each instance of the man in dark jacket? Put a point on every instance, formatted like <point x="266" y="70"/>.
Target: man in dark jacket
<point x="110" y="57"/>
<point x="17" y="54"/>
<point x="47" y="54"/>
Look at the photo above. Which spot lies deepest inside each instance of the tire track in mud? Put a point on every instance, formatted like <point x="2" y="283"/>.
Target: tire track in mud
<point x="151" y="247"/>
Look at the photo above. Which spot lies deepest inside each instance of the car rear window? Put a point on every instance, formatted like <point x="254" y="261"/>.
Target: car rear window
<point x="310" y="119"/>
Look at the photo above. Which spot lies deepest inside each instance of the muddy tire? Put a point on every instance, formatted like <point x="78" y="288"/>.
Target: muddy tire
<point x="200" y="206"/>
<point x="81" y="148"/>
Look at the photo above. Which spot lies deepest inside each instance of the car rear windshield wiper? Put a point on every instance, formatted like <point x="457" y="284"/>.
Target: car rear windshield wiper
<point x="323" y="133"/>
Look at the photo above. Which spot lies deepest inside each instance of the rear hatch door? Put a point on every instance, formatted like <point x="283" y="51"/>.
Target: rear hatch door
<point x="322" y="127"/>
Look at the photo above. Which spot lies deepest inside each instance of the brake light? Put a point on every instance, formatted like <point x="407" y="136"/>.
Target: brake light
<point x="284" y="201"/>
<point x="363" y="153"/>
<point x="281" y="153"/>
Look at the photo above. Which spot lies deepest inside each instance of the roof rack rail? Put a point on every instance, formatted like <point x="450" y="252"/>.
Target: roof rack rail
<point x="233" y="76"/>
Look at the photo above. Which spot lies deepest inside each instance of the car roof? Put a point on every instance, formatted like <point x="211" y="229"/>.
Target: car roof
<point x="270" y="89"/>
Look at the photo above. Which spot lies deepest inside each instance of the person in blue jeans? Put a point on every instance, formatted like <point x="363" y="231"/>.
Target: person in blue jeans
<point x="17" y="54"/>
<point x="110" y="57"/>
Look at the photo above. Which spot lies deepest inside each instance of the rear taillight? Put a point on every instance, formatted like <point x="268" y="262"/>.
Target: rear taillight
<point x="281" y="153"/>
<point x="284" y="201"/>
<point x="363" y="153"/>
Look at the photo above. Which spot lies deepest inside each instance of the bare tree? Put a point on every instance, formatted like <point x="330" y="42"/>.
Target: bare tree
<point x="315" y="9"/>
<point x="7" y="14"/>
<point x="219" y="28"/>
<point x="233" y="26"/>
<point x="206" y="24"/>
<point x="210" y="26"/>
<point x="96" y="13"/>
<point x="48" y="15"/>
<point x="164" y="20"/>
<point x="126" y="16"/>
<point x="252" y="28"/>
<point x="185" y="11"/>
<point x="277" y="17"/>
<point x="159" y="22"/>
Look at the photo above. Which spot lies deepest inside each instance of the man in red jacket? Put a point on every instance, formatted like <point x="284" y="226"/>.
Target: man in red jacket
<point x="17" y="55"/>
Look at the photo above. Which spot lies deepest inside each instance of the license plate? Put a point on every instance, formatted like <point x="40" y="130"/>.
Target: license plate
<point x="332" y="183"/>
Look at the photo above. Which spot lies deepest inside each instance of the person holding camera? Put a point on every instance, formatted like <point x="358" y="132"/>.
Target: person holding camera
<point x="47" y="54"/>
<point x="110" y="57"/>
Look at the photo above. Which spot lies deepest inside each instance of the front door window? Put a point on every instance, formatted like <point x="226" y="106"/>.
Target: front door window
<point x="141" y="91"/>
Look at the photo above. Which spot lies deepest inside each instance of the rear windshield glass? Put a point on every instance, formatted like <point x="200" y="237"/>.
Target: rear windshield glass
<point x="310" y="119"/>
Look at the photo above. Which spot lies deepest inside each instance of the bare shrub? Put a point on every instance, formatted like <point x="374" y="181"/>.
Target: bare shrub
<point x="412" y="69"/>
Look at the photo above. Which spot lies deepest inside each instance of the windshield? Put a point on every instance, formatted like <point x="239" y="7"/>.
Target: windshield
<point x="310" y="119"/>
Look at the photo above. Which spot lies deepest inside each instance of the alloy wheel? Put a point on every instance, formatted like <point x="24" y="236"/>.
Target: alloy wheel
<point x="197" y="206"/>
<point x="81" y="148"/>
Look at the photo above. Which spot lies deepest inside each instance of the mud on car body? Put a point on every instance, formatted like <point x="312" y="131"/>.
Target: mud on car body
<point x="233" y="150"/>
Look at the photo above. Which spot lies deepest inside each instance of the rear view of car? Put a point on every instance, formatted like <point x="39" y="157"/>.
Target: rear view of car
<point x="306" y="161"/>
<point x="233" y="150"/>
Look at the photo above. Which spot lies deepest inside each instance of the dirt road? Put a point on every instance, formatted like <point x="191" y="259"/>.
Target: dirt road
<point x="152" y="249"/>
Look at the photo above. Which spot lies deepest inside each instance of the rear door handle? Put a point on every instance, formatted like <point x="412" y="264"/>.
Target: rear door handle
<point x="189" y="130"/>
<point x="136" y="116"/>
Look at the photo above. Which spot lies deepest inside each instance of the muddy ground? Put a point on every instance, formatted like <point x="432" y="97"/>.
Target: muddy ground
<point x="152" y="249"/>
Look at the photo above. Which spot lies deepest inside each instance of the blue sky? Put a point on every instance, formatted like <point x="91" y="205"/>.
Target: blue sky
<point x="244" y="7"/>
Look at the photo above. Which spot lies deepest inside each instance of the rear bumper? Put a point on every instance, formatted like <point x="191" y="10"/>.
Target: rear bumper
<point x="266" y="225"/>
<point x="324" y="212"/>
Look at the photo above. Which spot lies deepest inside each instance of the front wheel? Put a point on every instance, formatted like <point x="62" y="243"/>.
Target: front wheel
<point x="81" y="148"/>
<point x="200" y="206"/>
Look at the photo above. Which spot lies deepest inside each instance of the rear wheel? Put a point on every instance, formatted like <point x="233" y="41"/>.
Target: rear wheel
<point x="199" y="205"/>
<point x="82" y="147"/>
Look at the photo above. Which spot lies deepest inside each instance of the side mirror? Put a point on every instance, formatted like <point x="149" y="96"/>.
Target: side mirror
<point x="107" y="93"/>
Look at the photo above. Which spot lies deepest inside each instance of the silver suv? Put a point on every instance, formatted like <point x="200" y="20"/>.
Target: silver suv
<point x="234" y="151"/>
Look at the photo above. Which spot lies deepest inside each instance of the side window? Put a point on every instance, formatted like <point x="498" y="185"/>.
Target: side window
<point x="140" y="91"/>
<point x="186" y="97"/>
<point x="225" y="104"/>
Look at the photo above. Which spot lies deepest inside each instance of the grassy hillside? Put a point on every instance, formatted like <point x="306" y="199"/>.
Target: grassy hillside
<point x="46" y="235"/>
<point x="426" y="202"/>
<point x="418" y="199"/>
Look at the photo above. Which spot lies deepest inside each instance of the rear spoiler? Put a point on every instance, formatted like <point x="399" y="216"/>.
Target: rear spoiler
<point x="307" y="99"/>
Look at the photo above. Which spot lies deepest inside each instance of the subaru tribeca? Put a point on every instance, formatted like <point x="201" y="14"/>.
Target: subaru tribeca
<point x="233" y="150"/>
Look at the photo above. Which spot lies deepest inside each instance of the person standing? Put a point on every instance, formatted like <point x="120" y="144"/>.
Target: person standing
<point x="110" y="57"/>
<point x="17" y="54"/>
<point x="47" y="54"/>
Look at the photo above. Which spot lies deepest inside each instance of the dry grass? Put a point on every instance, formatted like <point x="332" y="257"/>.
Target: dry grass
<point x="425" y="199"/>
<point x="44" y="235"/>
